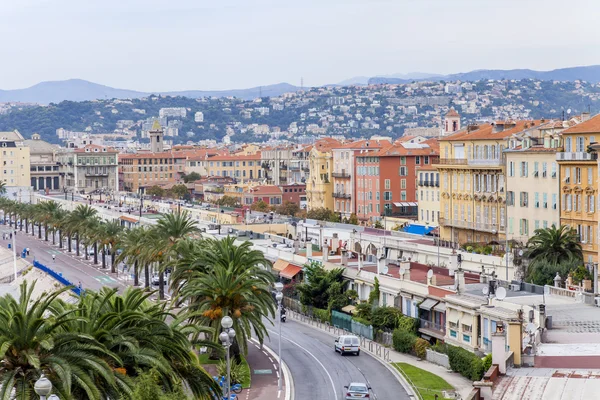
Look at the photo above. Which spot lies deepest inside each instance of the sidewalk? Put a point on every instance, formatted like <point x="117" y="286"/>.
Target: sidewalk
<point x="462" y="385"/>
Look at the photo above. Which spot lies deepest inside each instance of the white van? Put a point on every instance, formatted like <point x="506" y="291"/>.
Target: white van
<point x="347" y="344"/>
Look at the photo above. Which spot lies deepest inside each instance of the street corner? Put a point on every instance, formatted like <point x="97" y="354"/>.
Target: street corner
<point x="264" y="373"/>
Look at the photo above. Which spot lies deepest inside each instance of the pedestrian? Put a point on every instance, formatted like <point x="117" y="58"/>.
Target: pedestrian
<point x="53" y="257"/>
<point x="27" y="252"/>
<point x="10" y="236"/>
<point x="79" y="286"/>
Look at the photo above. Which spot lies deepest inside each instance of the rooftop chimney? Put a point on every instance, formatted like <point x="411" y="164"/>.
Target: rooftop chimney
<point x="585" y="116"/>
<point x="459" y="280"/>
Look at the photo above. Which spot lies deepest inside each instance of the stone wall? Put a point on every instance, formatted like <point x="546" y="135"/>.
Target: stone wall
<point x="438" y="358"/>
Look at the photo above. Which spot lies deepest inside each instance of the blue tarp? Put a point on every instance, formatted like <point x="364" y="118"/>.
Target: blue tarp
<point x="418" y="229"/>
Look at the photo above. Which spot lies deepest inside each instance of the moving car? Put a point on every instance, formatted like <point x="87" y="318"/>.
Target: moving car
<point x="356" y="390"/>
<point x="347" y="344"/>
<point x="155" y="280"/>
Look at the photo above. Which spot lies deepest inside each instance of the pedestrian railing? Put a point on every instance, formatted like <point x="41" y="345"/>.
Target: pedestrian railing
<point x="77" y="290"/>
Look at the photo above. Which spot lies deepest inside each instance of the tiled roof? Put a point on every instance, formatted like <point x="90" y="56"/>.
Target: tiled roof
<point x="486" y="131"/>
<point x="365" y="144"/>
<point x="264" y="190"/>
<point x="92" y="147"/>
<point x="592" y="125"/>
<point x="326" y="144"/>
<point x="399" y="150"/>
<point x="236" y="157"/>
<point x="452" y="113"/>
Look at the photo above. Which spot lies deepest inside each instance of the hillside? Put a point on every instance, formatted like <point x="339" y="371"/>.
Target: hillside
<point x="589" y="74"/>
<point x="81" y="90"/>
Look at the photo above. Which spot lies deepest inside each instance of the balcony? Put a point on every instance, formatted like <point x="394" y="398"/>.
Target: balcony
<point x="338" y="195"/>
<point x="305" y="169"/>
<point x="340" y="175"/>
<point x="453" y="161"/>
<point x="475" y="226"/>
<point x="431" y="327"/>
<point x="265" y="166"/>
<point x="96" y="174"/>
<point x="486" y="163"/>
<point x="577" y="156"/>
<point x="294" y="167"/>
<point x="283" y="167"/>
<point x="429" y="183"/>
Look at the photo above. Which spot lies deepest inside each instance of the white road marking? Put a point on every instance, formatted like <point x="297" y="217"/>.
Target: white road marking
<point x="315" y="358"/>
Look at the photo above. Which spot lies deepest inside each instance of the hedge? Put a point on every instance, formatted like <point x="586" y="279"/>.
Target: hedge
<point x="363" y="321"/>
<point x="420" y="348"/>
<point x="465" y="363"/>
<point x="404" y="342"/>
<point x="322" y="315"/>
<point x="408" y="324"/>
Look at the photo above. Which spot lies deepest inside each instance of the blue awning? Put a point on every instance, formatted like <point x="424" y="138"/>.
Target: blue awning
<point x="418" y="229"/>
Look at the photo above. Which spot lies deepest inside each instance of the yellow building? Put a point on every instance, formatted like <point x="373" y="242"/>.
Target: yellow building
<point x="238" y="166"/>
<point x="428" y="193"/>
<point x="15" y="159"/>
<point x="319" y="186"/>
<point x="472" y="191"/>
<point x="579" y="184"/>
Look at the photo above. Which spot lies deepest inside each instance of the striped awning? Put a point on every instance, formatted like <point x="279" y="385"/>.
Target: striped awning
<point x="406" y="204"/>
<point x="280" y="265"/>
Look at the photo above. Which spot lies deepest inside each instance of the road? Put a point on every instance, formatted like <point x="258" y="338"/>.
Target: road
<point x="321" y="373"/>
<point x="75" y="269"/>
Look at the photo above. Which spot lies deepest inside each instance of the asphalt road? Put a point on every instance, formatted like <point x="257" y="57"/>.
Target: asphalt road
<point x="321" y="373"/>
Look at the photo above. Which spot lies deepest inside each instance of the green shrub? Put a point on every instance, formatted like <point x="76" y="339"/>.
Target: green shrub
<point x="385" y="317"/>
<point x="362" y="321"/>
<point x="408" y="324"/>
<point x="465" y="363"/>
<point x="421" y="346"/>
<point x="404" y="342"/>
<point x="487" y="363"/>
<point x="487" y="250"/>
<point x="363" y="310"/>
<point x="440" y="347"/>
<point x="321" y="315"/>
<point x="239" y="372"/>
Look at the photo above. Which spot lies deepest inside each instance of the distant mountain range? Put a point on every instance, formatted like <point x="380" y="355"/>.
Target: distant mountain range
<point x="590" y="73"/>
<point x="81" y="90"/>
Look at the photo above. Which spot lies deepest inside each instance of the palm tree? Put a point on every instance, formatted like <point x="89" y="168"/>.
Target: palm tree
<point x="34" y="340"/>
<point x="139" y="334"/>
<point x="78" y="219"/>
<point x="132" y="246"/>
<point x="56" y="222"/>
<point x="163" y="238"/>
<point x="46" y="212"/>
<point x="2" y="187"/>
<point x="110" y="235"/>
<point x="552" y="250"/>
<point x="237" y="284"/>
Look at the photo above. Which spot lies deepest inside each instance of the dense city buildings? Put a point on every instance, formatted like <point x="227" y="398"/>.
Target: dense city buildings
<point x="319" y="186"/>
<point x="15" y="159"/>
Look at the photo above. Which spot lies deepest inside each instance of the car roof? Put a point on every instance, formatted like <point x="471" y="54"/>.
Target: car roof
<point x="357" y="384"/>
<point x="350" y="336"/>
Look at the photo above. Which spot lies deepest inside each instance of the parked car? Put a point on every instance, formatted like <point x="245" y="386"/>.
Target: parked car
<point x="347" y="344"/>
<point x="357" y="390"/>
<point x="155" y="280"/>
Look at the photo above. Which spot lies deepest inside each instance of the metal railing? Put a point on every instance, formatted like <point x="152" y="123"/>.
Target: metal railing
<point x="477" y="226"/>
<point x="453" y="161"/>
<point x="432" y="326"/>
<point x="576" y="156"/>
<point x="487" y="162"/>
<point x="340" y="175"/>
<point x="341" y="195"/>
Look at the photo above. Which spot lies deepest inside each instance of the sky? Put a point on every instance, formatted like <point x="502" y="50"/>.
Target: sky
<point x="168" y="45"/>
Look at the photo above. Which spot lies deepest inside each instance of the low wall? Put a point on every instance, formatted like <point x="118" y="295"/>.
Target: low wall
<point x="437" y="358"/>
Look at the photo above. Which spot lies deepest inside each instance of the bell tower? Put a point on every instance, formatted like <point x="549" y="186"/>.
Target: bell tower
<point x="156" y="138"/>
<point x="451" y="122"/>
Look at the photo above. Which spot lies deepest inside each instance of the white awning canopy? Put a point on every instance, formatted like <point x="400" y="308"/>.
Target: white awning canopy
<point x="440" y="307"/>
<point x="428" y="304"/>
<point x="406" y="204"/>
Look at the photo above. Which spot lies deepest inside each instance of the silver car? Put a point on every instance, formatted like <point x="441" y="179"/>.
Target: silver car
<point x="357" y="390"/>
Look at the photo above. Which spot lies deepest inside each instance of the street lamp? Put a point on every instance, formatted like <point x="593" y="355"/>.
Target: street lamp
<point x="42" y="387"/>
<point x="226" y="337"/>
<point x="279" y="297"/>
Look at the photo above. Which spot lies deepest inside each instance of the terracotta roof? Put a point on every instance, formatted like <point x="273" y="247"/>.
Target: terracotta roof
<point x="592" y="125"/>
<point x="399" y="150"/>
<point x="326" y="144"/>
<point x="236" y="157"/>
<point x="486" y="131"/>
<point x="452" y="113"/>
<point x="365" y="144"/>
<point x="264" y="190"/>
<point x="167" y="154"/>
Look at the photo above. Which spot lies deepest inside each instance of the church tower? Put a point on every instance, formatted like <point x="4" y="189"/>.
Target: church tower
<point x="156" y="138"/>
<point x="451" y="122"/>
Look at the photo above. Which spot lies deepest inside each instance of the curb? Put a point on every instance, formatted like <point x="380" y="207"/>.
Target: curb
<point x="407" y="387"/>
<point x="287" y="376"/>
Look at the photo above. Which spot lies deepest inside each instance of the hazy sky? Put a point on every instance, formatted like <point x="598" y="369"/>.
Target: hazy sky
<point x="161" y="45"/>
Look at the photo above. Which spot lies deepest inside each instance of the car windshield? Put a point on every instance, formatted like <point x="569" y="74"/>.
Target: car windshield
<point x="355" y="341"/>
<point x="358" y="389"/>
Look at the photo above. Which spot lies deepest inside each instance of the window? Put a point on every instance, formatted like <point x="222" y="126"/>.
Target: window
<point x="524" y="226"/>
<point x="403" y="171"/>
<point x="402" y="184"/>
<point x="545" y="200"/>
<point x="417" y="160"/>
<point x="580" y="144"/>
<point x="445" y="181"/>
<point x="554" y="170"/>
<point x="511" y="168"/>
<point x="544" y="169"/>
<point x="510" y="198"/>
<point x="589" y="207"/>
<point x="554" y="201"/>
<point x="569" y="145"/>
<point x="523" y="199"/>
<point x="536" y="166"/>
<point x="387" y="196"/>
<point x="387" y="183"/>
<point x="567" y="175"/>
<point x="589" y="176"/>
<point x="536" y="200"/>
<point x="577" y="175"/>
<point x="403" y="195"/>
<point x="524" y="168"/>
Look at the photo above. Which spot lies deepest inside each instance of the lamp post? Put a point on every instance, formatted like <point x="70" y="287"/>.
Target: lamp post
<point x="42" y="387"/>
<point x="226" y="338"/>
<point x="279" y="298"/>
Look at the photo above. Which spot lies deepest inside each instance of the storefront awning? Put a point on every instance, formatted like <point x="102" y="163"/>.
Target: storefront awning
<point x="440" y="307"/>
<point x="129" y="219"/>
<point x="453" y="316"/>
<point x="406" y="204"/>
<point x="427" y="304"/>
<point x="280" y="265"/>
<point x="290" y="271"/>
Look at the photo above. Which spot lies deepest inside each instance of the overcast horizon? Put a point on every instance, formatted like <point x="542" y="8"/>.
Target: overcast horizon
<point x="157" y="45"/>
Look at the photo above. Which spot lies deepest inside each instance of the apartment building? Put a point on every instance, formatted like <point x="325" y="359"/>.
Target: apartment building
<point x="532" y="179"/>
<point x="241" y="167"/>
<point x="270" y="194"/>
<point x="319" y="186"/>
<point x="143" y="170"/>
<point x="298" y="170"/>
<point x="15" y="159"/>
<point x="428" y="192"/>
<point x="90" y="168"/>
<point x="472" y="181"/>
<point x="386" y="179"/>
<point x="579" y="183"/>
<point x="344" y="173"/>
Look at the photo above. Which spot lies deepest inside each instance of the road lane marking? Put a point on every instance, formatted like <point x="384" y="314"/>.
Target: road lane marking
<point x="315" y="358"/>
